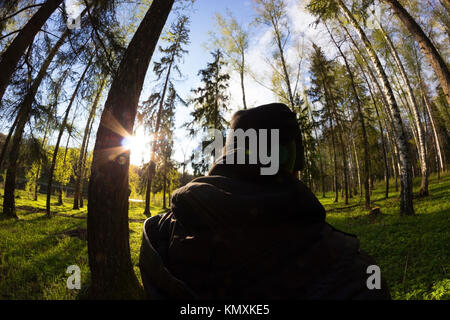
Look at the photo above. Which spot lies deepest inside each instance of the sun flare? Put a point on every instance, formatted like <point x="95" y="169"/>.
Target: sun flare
<point x="138" y="144"/>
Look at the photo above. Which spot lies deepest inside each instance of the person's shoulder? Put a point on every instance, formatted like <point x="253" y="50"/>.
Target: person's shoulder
<point x="156" y="226"/>
<point x="341" y="242"/>
<point x="347" y="277"/>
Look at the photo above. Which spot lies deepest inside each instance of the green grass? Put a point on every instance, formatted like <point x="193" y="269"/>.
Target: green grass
<point x="35" y="252"/>
<point x="412" y="252"/>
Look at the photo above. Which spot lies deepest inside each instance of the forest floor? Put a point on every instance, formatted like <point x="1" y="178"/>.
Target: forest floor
<point x="412" y="252"/>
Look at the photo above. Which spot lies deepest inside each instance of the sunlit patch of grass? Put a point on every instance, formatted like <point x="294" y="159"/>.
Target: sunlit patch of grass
<point x="35" y="251"/>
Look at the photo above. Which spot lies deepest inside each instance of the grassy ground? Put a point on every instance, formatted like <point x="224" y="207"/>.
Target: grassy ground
<point x="412" y="252"/>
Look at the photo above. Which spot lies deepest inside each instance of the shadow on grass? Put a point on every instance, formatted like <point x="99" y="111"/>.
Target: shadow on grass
<point x="37" y="268"/>
<point x="29" y="209"/>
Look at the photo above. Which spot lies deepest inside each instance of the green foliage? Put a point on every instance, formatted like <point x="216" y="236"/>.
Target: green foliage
<point x="211" y="99"/>
<point x="32" y="178"/>
<point x="64" y="164"/>
<point x="234" y="39"/>
<point x="134" y="180"/>
<point x="323" y="9"/>
<point x="210" y="104"/>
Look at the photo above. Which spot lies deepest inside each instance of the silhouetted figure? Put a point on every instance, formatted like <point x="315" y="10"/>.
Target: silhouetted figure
<point x="239" y="234"/>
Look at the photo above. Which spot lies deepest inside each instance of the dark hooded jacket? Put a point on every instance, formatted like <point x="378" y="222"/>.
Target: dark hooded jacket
<point x="236" y="234"/>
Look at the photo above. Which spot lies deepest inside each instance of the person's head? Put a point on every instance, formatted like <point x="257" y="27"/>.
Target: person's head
<point x="275" y="116"/>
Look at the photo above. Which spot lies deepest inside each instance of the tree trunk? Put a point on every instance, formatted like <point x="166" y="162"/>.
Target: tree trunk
<point x="61" y="131"/>
<point x="415" y="111"/>
<point x="406" y="192"/>
<point x="148" y="189"/>
<point x="435" y="135"/>
<point x="241" y="73"/>
<point x="383" y="143"/>
<point x="332" y="104"/>
<point x="350" y="173"/>
<point x="38" y="173"/>
<point x="361" y="121"/>
<point x="336" y="191"/>
<point x="15" y="51"/>
<point x="427" y="47"/>
<point x="164" y="190"/>
<point x="79" y="170"/>
<point x="84" y="168"/>
<point x="8" y="138"/>
<point x="322" y="176"/>
<point x="394" y="155"/>
<point x="388" y="123"/>
<point x="358" y="170"/>
<point x="283" y="64"/>
<point x="151" y="171"/>
<point x="36" y="186"/>
<point x="423" y="91"/>
<point x="23" y="115"/>
<point x="344" y="163"/>
<point x="322" y="173"/>
<point x="169" y="195"/>
<point x="112" y="275"/>
<point x="60" y="195"/>
<point x="385" y="103"/>
<point x="9" y="209"/>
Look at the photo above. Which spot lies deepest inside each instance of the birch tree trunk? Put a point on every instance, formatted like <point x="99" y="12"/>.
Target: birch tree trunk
<point x="427" y="47"/>
<point x="406" y="192"/>
<point x="415" y="110"/>
<point x="383" y="142"/>
<point x="435" y="135"/>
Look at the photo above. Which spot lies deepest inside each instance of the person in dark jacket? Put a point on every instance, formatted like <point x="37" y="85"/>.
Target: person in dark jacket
<point x="238" y="234"/>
